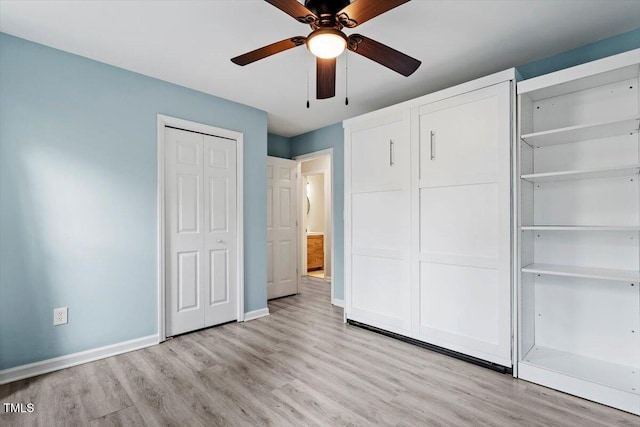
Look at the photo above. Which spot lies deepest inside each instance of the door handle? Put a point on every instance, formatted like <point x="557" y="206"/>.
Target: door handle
<point x="433" y="145"/>
<point x="391" y="159"/>
<point x="219" y="241"/>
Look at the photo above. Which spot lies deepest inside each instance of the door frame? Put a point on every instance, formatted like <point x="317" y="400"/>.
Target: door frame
<point x="329" y="203"/>
<point x="164" y="121"/>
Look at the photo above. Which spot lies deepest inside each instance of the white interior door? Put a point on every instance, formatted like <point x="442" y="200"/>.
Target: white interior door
<point x="201" y="236"/>
<point x="282" y="228"/>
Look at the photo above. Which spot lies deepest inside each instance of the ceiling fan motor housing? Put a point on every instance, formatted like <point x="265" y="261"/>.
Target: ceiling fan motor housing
<point x="326" y="10"/>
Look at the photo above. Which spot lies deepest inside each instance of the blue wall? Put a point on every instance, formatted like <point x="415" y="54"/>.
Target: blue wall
<point x="330" y="137"/>
<point x="78" y="198"/>
<point x="278" y="146"/>
<point x="597" y="50"/>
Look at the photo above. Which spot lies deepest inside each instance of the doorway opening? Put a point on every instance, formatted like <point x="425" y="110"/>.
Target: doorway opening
<point x="316" y="216"/>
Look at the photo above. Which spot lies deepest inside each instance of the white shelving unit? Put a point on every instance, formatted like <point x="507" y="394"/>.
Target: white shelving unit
<point x="578" y="231"/>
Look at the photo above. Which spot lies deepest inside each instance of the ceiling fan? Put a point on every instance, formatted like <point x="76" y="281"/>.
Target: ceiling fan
<point x="326" y="41"/>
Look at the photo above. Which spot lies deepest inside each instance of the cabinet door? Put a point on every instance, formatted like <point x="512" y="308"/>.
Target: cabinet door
<point x="464" y="283"/>
<point x="459" y="139"/>
<point x="377" y="216"/>
<point x="379" y="158"/>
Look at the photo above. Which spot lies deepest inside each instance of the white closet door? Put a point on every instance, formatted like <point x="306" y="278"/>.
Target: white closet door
<point x="200" y="177"/>
<point x="282" y="228"/>
<point x="377" y="215"/>
<point x="463" y="292"/>
<point x="220" y="231"/>
<point x="184" y="233"/>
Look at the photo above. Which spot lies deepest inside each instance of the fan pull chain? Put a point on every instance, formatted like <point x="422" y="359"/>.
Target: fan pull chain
<point x="306" y="59"/>
<point x="346" y="78"/>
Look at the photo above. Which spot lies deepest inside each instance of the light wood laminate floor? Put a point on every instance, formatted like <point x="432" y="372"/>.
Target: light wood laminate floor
<point x="300" y="366"/>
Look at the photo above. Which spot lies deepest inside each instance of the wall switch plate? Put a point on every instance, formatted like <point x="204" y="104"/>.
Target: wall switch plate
<point x="59" y="316"/>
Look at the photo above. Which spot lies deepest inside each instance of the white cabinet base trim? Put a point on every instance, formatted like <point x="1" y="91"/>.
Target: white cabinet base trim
<point x="69" y="360"/>
<point x="619" y="399"/>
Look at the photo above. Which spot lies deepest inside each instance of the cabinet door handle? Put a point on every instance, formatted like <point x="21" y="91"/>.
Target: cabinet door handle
<point x="391" y="160"/>
<point x="433" y="145"/>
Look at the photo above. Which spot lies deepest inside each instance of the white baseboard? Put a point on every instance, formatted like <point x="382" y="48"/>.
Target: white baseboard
<point x="66" y="361"/>
<point x="256" y="314"/>
<point x="338" y="302"/>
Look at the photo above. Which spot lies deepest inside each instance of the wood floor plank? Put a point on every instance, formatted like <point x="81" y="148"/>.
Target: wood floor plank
<point x="99" y="390"/>
<point x="208" y="405"/>
<point x="318" y="406"/>
<point x="256" y="396"/>
<point x="127" y="417"/>
<point x="300" y="366"/>
<point x="190" y="352"/>
<point x="157" y="403"/>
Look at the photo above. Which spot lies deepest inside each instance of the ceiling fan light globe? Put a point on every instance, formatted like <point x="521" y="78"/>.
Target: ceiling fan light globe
<point x="327" y="44"/>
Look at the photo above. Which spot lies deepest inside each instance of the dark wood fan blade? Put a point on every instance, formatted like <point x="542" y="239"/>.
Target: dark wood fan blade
<point x="326" y="78"/>
<point x="383" y="55"/>
<point x="362" y="10"/>
<point x="272" y="49"/>
<point x="294" y="9"/>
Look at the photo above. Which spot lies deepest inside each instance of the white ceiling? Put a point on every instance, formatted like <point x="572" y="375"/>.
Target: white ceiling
<point x="190" y="43"/>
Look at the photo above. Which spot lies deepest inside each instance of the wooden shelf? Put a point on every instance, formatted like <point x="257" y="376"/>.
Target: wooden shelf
<point x="628" y="170"/>
<point x="580" y="228"/>
<point x="585" y="368"/>
<point x="585" y="272"/>
<point x="583" y="132"/>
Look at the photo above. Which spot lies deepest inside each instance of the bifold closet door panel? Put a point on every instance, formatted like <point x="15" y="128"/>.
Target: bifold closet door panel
<point x="220" y="231"/>
<point x="185" y="231"/>
<point x="464" y="250"/>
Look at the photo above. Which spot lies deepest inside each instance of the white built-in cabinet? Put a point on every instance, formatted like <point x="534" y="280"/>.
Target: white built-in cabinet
<point x="428" y="218"/>
<point x="462" y="250"/>
<point x="377" y="219"/>
<point x="578" y="231"/>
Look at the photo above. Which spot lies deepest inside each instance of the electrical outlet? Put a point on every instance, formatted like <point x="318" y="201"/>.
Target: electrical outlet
<point x="59" y="316"/>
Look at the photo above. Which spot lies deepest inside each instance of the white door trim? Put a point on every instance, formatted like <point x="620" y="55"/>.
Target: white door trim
<point x="187" y="125"/>
<point x="301" y="190"/>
